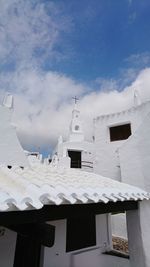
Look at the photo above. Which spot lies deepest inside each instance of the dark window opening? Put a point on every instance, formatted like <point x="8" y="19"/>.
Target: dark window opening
<point x="9" y="167"/>
<point x="75" y="158"/>
<point x="77" y="127"/>
<point x="81" y="233"/>
<point x="120" y="132"/>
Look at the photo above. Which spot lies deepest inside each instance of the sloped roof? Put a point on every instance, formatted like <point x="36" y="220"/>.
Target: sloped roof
<point x="33" y="187"/>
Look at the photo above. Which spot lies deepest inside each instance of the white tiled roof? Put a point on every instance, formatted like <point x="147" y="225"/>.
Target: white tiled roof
<point x="33" y="187"/>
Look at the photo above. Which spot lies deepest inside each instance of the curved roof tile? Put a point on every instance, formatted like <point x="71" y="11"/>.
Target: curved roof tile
<point x="33" y="187"/>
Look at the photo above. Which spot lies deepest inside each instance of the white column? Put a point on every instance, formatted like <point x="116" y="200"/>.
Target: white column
<point x="103" y="232"/>
<point x="138" y="226"/>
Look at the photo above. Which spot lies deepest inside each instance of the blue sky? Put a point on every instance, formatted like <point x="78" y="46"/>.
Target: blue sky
<point x="104" y="34"/>
<point x="52" y="50"/>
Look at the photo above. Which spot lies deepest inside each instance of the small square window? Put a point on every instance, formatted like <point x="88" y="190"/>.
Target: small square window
<point x="120" y="132"/>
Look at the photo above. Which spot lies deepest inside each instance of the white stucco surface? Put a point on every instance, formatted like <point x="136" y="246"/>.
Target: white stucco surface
<point x="103" y="232"/>
<point x="128" y="160"/>
<point x="94" y="258"/>
<point x="107" y="161"/>
<point x="11" y="152"/>
<point x="56" y="256"/>
<point x="76" y="133"/>
<point x="88" y="257"/>
<point x="75" y="142"/>
<point x="87" y="153"/>
<point x="139" y="235"/>
<point x="135" y="157"/>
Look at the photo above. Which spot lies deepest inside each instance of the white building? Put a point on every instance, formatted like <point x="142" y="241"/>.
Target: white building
<point x="122" y="143"/>
<point x="121" y="149"/>
<point x="40" y="197"/>
<point x="52" y="215"/>
<point x="75" y="152"/>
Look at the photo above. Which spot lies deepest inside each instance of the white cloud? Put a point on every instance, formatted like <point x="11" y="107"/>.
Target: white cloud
<point x="107" y="84"/>
<point x="42" y="101"/>
<point x="130" y="2"/>
<point x="139" y="60"/>
<point x="43" y="104"/>
<point x="105" y="102"/>
<point x="132" y="17"/>
<point x="29" y="33"/>
<point x="114" y="101"/>
<point x="43" y="98"/>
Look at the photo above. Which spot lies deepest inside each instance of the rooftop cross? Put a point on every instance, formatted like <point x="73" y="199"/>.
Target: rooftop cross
<point x="75" y="99"/>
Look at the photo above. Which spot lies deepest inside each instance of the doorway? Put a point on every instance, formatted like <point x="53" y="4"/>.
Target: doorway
<point x="75" y="158"/>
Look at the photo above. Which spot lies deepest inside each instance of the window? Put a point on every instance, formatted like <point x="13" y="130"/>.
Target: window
<point x="9" y="167"/>
<point x="119" y="234"/>
<point x="75" y="158"/>
<point x="120" y="132"/>
<point x="77" y="127"/>
<point x="119" y="240"/>
<point x="81" y="233"/>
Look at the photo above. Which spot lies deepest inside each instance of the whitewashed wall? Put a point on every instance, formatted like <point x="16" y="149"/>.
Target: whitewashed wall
<point x="94" y="258"/>
<point x="88" y="257"/>
<point x="56" y="256"/>
<point x="107" y="160"/>
<point x="128" y="160"/>
<point x="11" y="152"/>
<point x="135" y="157"/>
<point x="139" y="235"/>
<point x="86" y="148"/>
